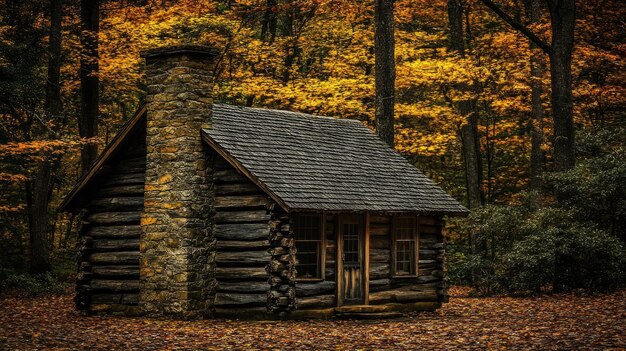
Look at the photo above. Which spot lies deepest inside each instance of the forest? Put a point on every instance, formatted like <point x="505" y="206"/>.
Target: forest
<point x="514" y="107"/>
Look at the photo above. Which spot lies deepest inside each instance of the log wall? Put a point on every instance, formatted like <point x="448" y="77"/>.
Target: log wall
<point x="109" y="231"/>
<point x="242" y="230"/>
<point x="429" y="285"/>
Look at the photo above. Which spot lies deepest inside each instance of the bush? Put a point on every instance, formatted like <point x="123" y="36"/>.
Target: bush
<point x="557" y="250"/>
<point x="525" y="251"/>
<point x="30" y="285"/>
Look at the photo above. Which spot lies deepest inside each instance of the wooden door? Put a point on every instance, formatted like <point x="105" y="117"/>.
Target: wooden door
<point x="351" y="284"/>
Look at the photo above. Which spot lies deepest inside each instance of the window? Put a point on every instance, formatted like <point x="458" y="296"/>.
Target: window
<point x="405" y="246"/>
<point x="308" y="233"/>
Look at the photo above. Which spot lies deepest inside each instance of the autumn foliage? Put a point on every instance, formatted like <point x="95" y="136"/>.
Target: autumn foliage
<point x="558" y="322"/>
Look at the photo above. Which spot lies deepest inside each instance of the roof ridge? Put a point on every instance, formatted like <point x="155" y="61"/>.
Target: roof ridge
<point x="295" y="113"/>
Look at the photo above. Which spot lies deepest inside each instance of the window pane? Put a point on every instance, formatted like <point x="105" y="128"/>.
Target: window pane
<point x="308" y="233"/>
<point x="308" y="252"/>
<point x="350" y="243"/>
<point x="405" y="245"/>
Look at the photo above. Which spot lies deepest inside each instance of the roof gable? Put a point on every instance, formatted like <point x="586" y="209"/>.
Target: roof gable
<point x="322" y="163"/>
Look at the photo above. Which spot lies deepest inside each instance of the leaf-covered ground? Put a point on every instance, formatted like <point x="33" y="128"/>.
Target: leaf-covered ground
<point x="549" y="322"/>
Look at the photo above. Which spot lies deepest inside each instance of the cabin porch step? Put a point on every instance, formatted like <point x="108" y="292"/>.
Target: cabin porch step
<point x="365" y="312"/>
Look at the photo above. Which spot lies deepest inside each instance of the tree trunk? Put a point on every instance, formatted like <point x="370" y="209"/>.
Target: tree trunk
<point x="38" y="193"/>
<point x="535" y="122"/>
<point x="269" y="23"/>
<point x="384" y="47"/>
<point x="39" y="186"/>
<point x="53" y="104"/>
<point x="470" y="141"/>
<point x="455" y="23"/>
<point x="89" y="81"/>
<point x="563" y="18"/>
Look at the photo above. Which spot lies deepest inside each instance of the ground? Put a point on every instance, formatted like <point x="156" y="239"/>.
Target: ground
<point x="547" y="322"/>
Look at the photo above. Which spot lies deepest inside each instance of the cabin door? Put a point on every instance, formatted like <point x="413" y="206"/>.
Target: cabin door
<point x="351" y="283"/>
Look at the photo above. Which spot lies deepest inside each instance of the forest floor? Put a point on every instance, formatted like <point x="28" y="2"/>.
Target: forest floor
<point x="547" y="322"/>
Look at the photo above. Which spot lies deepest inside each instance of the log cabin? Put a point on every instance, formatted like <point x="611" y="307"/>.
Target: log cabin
<point x="197" y="209"/>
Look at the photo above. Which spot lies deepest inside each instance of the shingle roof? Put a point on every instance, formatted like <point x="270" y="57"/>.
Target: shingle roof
<point x="322" y="163"/>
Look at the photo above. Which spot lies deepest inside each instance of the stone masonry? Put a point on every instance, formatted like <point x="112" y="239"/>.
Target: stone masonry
<point x="177" y="243"/>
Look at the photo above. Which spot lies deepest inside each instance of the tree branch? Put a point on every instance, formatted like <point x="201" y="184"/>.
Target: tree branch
<point x="520" y="27"/>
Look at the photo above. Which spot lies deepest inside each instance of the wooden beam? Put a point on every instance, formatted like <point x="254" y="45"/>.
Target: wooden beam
<point x="242" y="231"/>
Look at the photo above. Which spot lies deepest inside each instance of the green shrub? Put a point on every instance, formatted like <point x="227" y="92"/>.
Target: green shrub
<point x="30" y="285"/>
<point x="534" y="250"/>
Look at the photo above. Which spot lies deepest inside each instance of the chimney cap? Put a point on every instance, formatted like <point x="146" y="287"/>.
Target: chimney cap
<point x="183" y="49"/>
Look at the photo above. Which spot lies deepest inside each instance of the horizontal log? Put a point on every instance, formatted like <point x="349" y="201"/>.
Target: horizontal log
<point x="427" y="278"/>
<point x="112" y="218"/>
<point x="411" y="285"/>
<point x="402" y="296"/>
<point x="316" y="301"/>
<point x="380" y="255"/>
<point x="115" y="285"/>
<point x="241" y="216"/>
<point x="233" y="299"/>
<point x="119" y="299"/>
<point x="241" y="273"/>
<point x="116" y="271"/>
<point x="243" y="257"/>
<point x="115" y="244"/>
<point x="229" y="175"/>
<point x="243" y="201"/>
<point x="428" y="252"/>
<point x="380" y="242"/>
<point x="127" y="257"/>
<point x="380" y="282"/>
<point x="379" y="230"/>
<point x="379" y="270"/>
<point x="234" y="245"/>
<point x="128" y="168"/>
<point x="423" y="220"/>
<point x="243" y="287"/>
<point x="120" y="203"/>
<point x="427" y="229"/>
<point x="123" y="190"/>
<point x="237" y="189"/>
<point x="221" y="163"/>
<point x="124" y="179"/>
<point x="242" y="231"/>
<point x="127" y="231"/>
<point x="317" y="288"/>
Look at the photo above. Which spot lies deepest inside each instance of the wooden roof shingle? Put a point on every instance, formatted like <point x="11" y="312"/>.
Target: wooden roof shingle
<point x="323" y="163"/>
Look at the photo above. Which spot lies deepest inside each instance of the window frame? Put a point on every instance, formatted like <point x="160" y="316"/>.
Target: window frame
<point x="394" y="254"/>
<point x="321" y="259"/>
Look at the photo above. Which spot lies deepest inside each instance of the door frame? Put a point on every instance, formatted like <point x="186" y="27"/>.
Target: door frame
<point x="364" y="253"/>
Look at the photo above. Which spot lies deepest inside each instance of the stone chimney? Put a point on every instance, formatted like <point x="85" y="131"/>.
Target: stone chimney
<point x="177" y="243"/>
